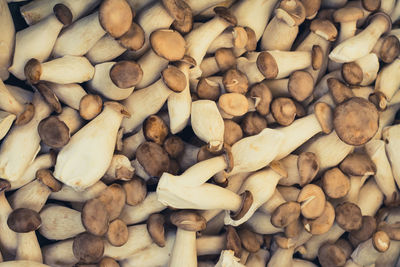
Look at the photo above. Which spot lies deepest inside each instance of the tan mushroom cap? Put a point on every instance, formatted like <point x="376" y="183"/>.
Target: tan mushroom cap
<point x="285" y="214"/>
<point x="113" y="199"/>
<point x="4" y="185"/>
<point x="168" y="44"/>
<point x="379" y="100"/>
<point x="294" y="228"/>
<point x="174" y="167"/>
<point x="117" y="233"/>
<point x="300" y="85"/>
<point x="311" y="7"/>
<point x="95" y="217"/>
<point x="174" y="146"/>
<point x="348" y="14"/>
<point x="126" y="74"/>
<point x="90" y="106"/>
<point x="207" y="89"/>
<point x="33" y="71"/>
<point x="135" y="190"/>
<point x="352" y="73"/>
<point x="233" y="241"/>
<point x="239" y="35"/>
<point x="225" y="14"/>
<point x="108" y="262"/>
<point x="24" y="220"/>
<point x="323" y="112"/>
<point x="317" y="57"/>
<point x="175" y="8"/>
<point x="312" y="200"/>
<point x="267" y="65"/>
<point x="390" y="49"/>
<point x="368" y="227"/>
<point x="153" y="158"/>
<point x="185" y="24"/>
<point x="155" y="129"/>
<point x="348" y="216"/>
<point x="339" y="91"/>
<point x="63" y="14"/>
<point x="249" y="240"/>
<point x="188" y="220"/>
<point x="381" y="241"/>
<point x="174" y="79"/>
<point x="358" y="164"/>
<point x="330" y="255"/>
<point x="251" y="44"/>
<point x="283" y="241"/>
<point x="115" y="17"/>
<point x="88" y="248"/>
<point x="46" y="177"/>
<point x="262" y="97"/>
<point x="371" y="5"/>
<point x="283" y="110"/>
<point x="235" y="81"/>
<point x="393" y="230"/>
<point x="234" y="104"/>
<point x="233" y="132"/>
<point x="308" y="167"/>
<point x="155" y="227"/>
<point x="326" y="13"/>
<point x="356" y="121"/>
<point x="253" y="123"/>
<point x="335" y="183"/>
<point x="345" y="245"/>
<point x="225" y="59"/>
<point x="53" y="132"/>
<point x="26" y="116"/>
<point x="292" y="12"/>
<point x="49" y="96"/>
<point x="247" y="201"/>
<point x="134" y="38"/>
<point x="323" y="223"/>
<point x="324" y="28"/>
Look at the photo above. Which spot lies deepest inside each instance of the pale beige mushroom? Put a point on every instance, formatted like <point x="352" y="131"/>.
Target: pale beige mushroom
<point x="7" y="40"/>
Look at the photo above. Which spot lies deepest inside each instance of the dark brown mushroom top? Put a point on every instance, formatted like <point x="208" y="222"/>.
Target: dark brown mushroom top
<point x="168" y="44"/>
<point x="300" y="85"/>
<point x="188" y="220"/>
<point x="253" y="123"/>
<point x="352" y="73"/>
<point x="207" y="89"/>
<point x="26" y="116"/>
<point x="285" y="214"/>
<point x="324" y="28"/>
<point x="63" y="14"/>
<point x="348" y="216"/>
<point x="235" y="81"/>
<point x="249" y="240"/>
<point x="283" y="110"/>
<point x="317" y="57"/>
<point x="292" y="12"/>
<point x="339" y="91"/>
<point x="126" y="74"/>
<point x="356" y="121"/>
<point x="174" y="79"/>
<point x="133" y="39"/>
<point x="335" y="183"/>
<point x="390" y="49"/>
<point x="49" y="96"/>
<point x="358" y="164"/>
<point x="155" y="227"/>
<point x="262" y="97"/>
<point x="294" y="228"/>
<point x="115" y="17"/>
<point x="371" y="5"/>
<point x="233" y="241"/>
<point x="185" y="24"/>
<point x="136" y="190"/>
<point x="33" y="71"/>
<point x="267" y="65"/>
<point x="233" y="104"/>
<point x="348" y="14"/>
<point x="24" y="220"/>
<point x="90" y="106"/>
<point x="311" y="7"/>
<point x="308" y="167"/>
<point x="225" y="59"/>
<point x="331" y="255"/>
<point x="88" y="248"/>
<point x="153" y="158"/>
<point x="155" y="129"/>
<point x="368" y="227"/>
<point x="46" y="177"/>
<point x="174" y="146"/>
<point x="95" y="217"/>
<point x="53" y="132"/>
<point x="232" y="133"/>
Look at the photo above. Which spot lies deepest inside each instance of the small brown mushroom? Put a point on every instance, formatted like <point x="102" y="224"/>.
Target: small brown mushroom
<point x="95" y="217"/>
<point x="358" y="164"/>
<point x="155" y="129"/>
<point x="233" y="104"/>
<point x="90" y="106"/>
<point x="88" y="248"/>
<point x="136" y="190"/>
<point x="207" y="89"/>
<point x="285" y="214"/>
<point x="116" y="26"/>
<point x="393" y="230"/>
<point x="249" y="240"/>
<point x="49" y="96"/>
<point x="232" y="133"/>
<point x="253" y="123"/>
<point x="117" y="233"/>
<point x="155" y="227"/>
<point x="331" y="255"/>
<point x="311" y="7"/>
<point x="24" y="220"/>
<point x="381" y="241"/>
<point x="339" y="91"/>
<point x="168" y="44"/>
<point x="368" y="227"/>
<point x="348" y="216"/>
<point x="312" y="200"/>
<point x="233" y="241"/>
<point x="174" y="146"/>
<point x="54" y="132"/>
<point x="133" y="39"/>
<point x="113" y="199"/>
<point x="308" y="166"/>
<point x="188" y="220"/>
<point x="335" y="183"/>
<point x="108" y="262"/>
<point x="174" y="79"/>
<point x="300" y="85"/>
<point x="262" y="97"/>
<point x="126" y="74"/>
<point x="153" y="158"/>
<point x="235" y="81"/>
<point x="371" y="5"/>
<point x="390" y="49"/>
<point x="352" y="73"/>
<point x="294" y="228"/>
<point x="317" y="55"/>
<point x="46" y="177"/>
<point x="283" y="110"/>
<point x="323" y="223"/>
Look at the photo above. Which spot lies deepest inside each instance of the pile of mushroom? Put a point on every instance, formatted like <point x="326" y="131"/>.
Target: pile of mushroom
<point x="204" y="133"/>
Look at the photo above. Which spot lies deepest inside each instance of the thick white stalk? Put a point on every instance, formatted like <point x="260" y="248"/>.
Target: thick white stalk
<point x="387" y="81"/>
<point x="390" y="256"/>
<point x="32" y="196"/>
<point x="131" y="143"/>
<point x="391" y="137"/>
<point x="28" y="247"/>
<point x="282" y="257"/>
<point x="8" y="102"/>
<point x="152" y="65"/>
<point x="8" y="238"/>
<point x="21" y="95"/>
<point x="261" y="224"/>
<point x="6" y="39"/>
<point x="105" y="49"/>
<point x="184" y="251"/>
<point x="67" y="193"/>
<point x="258" y="259"/>
<point x="6" y="120"/>
<point x="278" y="35"/>
<point x="59" y="254"/>
<point x="70" y="94"/>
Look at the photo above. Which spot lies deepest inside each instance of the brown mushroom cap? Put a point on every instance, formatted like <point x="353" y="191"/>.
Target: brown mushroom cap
<point x="225" y="14"/>
<point x="267" y="65"/>
<point x="234" y="104"/>
<point x="133" y="39"/>
<point x="155" y="227"/>
<point x="226" y="59"/>
<point x="113" y="198"/>
<point x="155" y="129"/>
<point x="26" y="116"/>
<point x="247" y="201"/>
<point x="300" y="110"/>
<point x="381" y="16"/>
<point x="262" y="97"/>
<point x="324" y="115"/>
<point x="95" y="217"/>
<point x="292" y="12"/>
<point x="185" y="24"/>
<point x="233" y="241"/>
<point x="153" y="158"/>
<point x="339" y="91"/>
<point x="330" y="255"/>
<point x="311" y="7"/>
<point x="90" y="106"/>
<point x="348" y="14"/>
<point x="358" y="164"/>
<point x="283" y="110"/>
<point x="294" y="228"/>
<point x="88" y="248"/>
<point x="335" y="183"/>
<point x="175" y="8"/>
<point x="308" y="167"/>
<point x="136" y="190"/>
<point x="174" y="79"/>
<point x="323" y="223"/>
<point x="63" y="14"/>
<point x="24" y="220"/>
<point x="345" y="245"/>
<point x="352" y="73"/>
<point x="126" y="74"/>
<point x="348" y="216"/>
<point x="324" y="28"/>
<point x="53" y="132"/>
<point x="253" y="123"/>
<point x="285" y="214"/>
<point x="232" y="133"/>
<point x="239" y="37"/>
<point x="381" y="241"/>
<point x="49" y="96"/>
<point x="108" y="262"/>
<point x="174" y="146"/>
<point x="46" y="177"/>
<point x="235" y="81"/>
<point x="249" y="240"/>
<point x="371" y="5"/>
<point x="300" y="85"/>
<point x="312" y="200"/>
<point x="117" y="233"/>
<point x="326" y="13"/>
<point x="188" y="220"/>
<point x="168" y="44"/>
<point x="390" y="49"/>
<point x="204" y="153"/>
<point x="4" y="185"/>
<point x="368" y="227"/>
<point x="251" y="44"/>
<point x="317" y="57"/>
<point x="33" y="71"/>
<point x="115" y="17"/>
<point x="379" y="100"/>
<point x="356" y="121"/>
<point x="207" y="89"/>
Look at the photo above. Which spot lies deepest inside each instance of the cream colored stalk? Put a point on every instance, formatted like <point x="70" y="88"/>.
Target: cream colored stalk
<point x="8" y="102"/>
<point x="369" y="65"/>
<point x="365" y="254"/>
<point x="278" y="35"/>
<point x="302" y="263"/>
<point x="21" y="95"/>
<point x="248" y="66"/>
<point x="69" y="94"/>
<point x="67" y="193"/>
<point x="258" y="259"/>
<point x="131" y="143"/>
<point x="395" y="12"/>
<point x="22" y="263"/>
<point x="210" y="244"/>
<point x="184" y="253"/>
<point x="390" y="256"/>
<point x="6" y="40"/>
<point x="71" y="118"/>
<point x="21" y="145"/>
<point x="261" y="224"/>
<point x="6" y="120"/>
<point x="151" y="64"/>
<point x="387" y="82"/>
<point x="28" y="247"/>
<point x="391" y="137"/>
<point x="8" y="238"/>
<point x="386" y="118"/>
<point x="105" y="49"/>
<point x="59" y="254"/>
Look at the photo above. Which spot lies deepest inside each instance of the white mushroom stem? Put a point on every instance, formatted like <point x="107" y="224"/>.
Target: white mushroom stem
<point x="227" y="258"/>
<point x="209" y="66"/>
<point x="6" y="40"/>
<point x="248" y="66"/>
<point x="258" y="259"/>
<point x="21" y="145"/>
<point x="227" y="40"/>
<point x="6" y="120"/>
<point x="28" y="247"/>
<point x="365" y="253"/>
<point x="356" y="182"/>
<point x="387" y="81"/>
<point x="278" y="35"/>
<point x="22" y="263"/>
<point x="8" y="102"/>
<point x="275" y="201"/>
<point x="184" y="251"/>
<point x="395" y="12"/>
<point x="369" y="65"/>
<point x="69" y="94"/>
<point x="282" y="257"/>
<point x="32" y="196"/>
<point x="8" y="238"/>
<point x="59" y="254"/>
<point x="321" y="88"/>
<point x="383" y="176"/>
<point x="210" y="244"/>
<point x="391" y="137"/>
<point x="105" y="49"/>
<point x="152" y="65"/>
<point x="71" y="118"/>
<point x="140" y="212"/>
<point x="67" y="193"/>
<point x="386" y="118"/>
<point x="21" y="95"/>
<point x="131" y="143"/>
<point x="261" y="224"/>
<point x="390" y="256"/>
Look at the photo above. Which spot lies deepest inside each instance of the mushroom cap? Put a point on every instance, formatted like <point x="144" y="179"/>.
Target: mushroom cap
<point x="168" y="44"/>
<point x="95" y="217"/>
<point x="155" y="129"/>
<point x="239" y="37"/>
<point x="49" y="96"/>
<point x="234" y="104"/>
<point x="134" y="38"/>
<point x="300" y="85"/>
<point x="348" y="216"/>
<point x="348" y="14"/>
<point x="335" y="183"/>
<point x="294" y="228"/>
<point x="324" y="116"/>
<point x="207" y="89"/>
<point x="381" y="241"/>
<point x="33" y="71"/>
<point x="346" y="246"/>
<point x="317" y="57"/>
<point x="323" y="223"/>
<point x="251" y="44"/>
<point x="326" y="13"/>
<point x="188" y="220"/>
<point x="253" y="123"/>
<point x="356" y="121"/>
<point x="174" y="146"/>
<point x="90" y="106"/>
<point x="390" y="49"/>
<point x="46" y="177"/>
<point x="311" y="7"/>
<point x="247" y="201"/>
<point x="4" y="185"/>
<point x="115" y="17"/>
<point x="155" y="227"/>
<point x="283" y="110"/>
<point x="393" y="230"/>
<point x="63" y="14"/>
<point x="235" y="81"/>
<point x="352" y="73"/>
<point x="117" y="233"/>
<point x="285" y="214"/>
<point x="292" y="12"/>
<point x="267" y="65"/>
<point x="176" y="9"/>
<point x="53" y="132"/>
<point x="339" y="91"/>
<point x="233" y="241"/>
<point x="312" y="200"/>
<point x="204" y="153"/>
<point x="136" y="190"/>
<point x="381" y="16"/>
<point x="308" y="167"/>
<point x="358" y="164"/>
<point x="24" y="220"/>
<point x="324" y="28"/>
<point x="108" y="262"/>
<point x="330" y="255"/>
<point x="113" y="198"/>
<point x="368" y="227"/>
<point x="262" y="97"/>
<point x="232" y="133"/>
<point x="174" y="79"/>
<point x="249" y="240"/>
<point x="226" y="14"/>
<point x="88" y="248"/>
<point x="26" y="116"/>
<point x="379" y="100"/>
<point x="283" y="241"/>
<point x="126" y="74"/>
<point x="226" y="60"/>
<point x="153" y="158"/>
<point x="371" y="5"/>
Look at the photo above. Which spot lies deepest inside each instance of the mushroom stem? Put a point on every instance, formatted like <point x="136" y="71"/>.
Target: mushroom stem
<point x="6" y="39"/>
<point x="59" y="253"/>
<point x="390" y="256"/>
<point x="69" y="94"/>
<point x="6" y="120"/>
<point x="367" y="252"/>
<point x="71" y="118"/>
<point x="283" y="35"/>
<point x="131" y="143"/>
<point x="347" y="30"/>
<point x="282" y="257"/>
<point x="8" y="102"/>
<point x="28" y="247"/>
<point x="258" y="259"/>
<point x="385" y="83"/>
<point x="261" y="223"/>
<point x="391" y="137"/>
<point x="152" y="64"/>
<point x="230" y="38"/>
<point x="67" y="193"/>
<point x="184" y="250"/>
<point x="367" y="66"/>
<point x="8" y="238"/>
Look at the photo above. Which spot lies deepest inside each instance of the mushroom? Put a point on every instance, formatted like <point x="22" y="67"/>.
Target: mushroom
<point x="21" y="263"/>
<point x="117" y="233"/>
<point x="334" y="254"/>
<point x="258" y="259"/>
<point x="261" y="223"/>
<point x="227" y="258"/>
<point x="87" y="248"/>
<point x="368" y="251"/>
<point x="61" y="253"/>
<point x="100" y="149"/>
<point x="366" y="231"/>
<point x="6" y="120"/>
<point x="67" y="193"/>
<point x="223" y="60"/>
<point x="41" y="38"/>
<point x="395" y="12"/>
<point x="387" y="48"/>
<point x="363" y="71"/>
<point x="120" y="169"/>
<point x="335" y="183"/>
<point x="8" y="240"/>
<point x="323" y="223"/>
<point x="131" y="143"/>
<point x="232" y="38"/>
<point x="390" y="136"/>
<point x="7" y="39"/>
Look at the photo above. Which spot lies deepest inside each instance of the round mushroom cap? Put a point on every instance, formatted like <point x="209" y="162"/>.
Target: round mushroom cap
<point x="117" y="233"/>
<point x="113" y="198"/>
<point x="283" y="110"/>
<point x="225" y="14"/>
<point x="168" y="44"/>
<point x="348" y="216"/>
<point x="300" y="85"/>
<point x="232" y="133"/>
<point x="4" y="185"/>
<point x="239" y="35"/>
<point x="95" y="217"/>
<point x="126" y="74"/>
<point x="234" y="104"/>
<point x="292" y="12"/>
<point x="352" y="73"/>
<point x="233" y="241"/>
<point x="185" y="24"/>
<point x="88" y="248"/>
<point x="317" y="57"/>
<point x="155" y="129"/>
<point x="371" y="5"/>
<point x="312" y="200"/>
<point x="381" y="241"/>
<point x="46" y="177"/>
<point x="390" y="49"/>
<point x="153" y="158"/>
<point x="251" y="44"/>
<point x="323" y="223"/>
<point x="174" y="79"/>
<point x="293" y="229"/>
<point x="368" y="227"/>
<point x="24" y="220"/>
<point x="285" y="214"/>
<point x="90" y="106"/>
<point x="253" y="123"/>
<point x="53" y="132"/>
<point x="267" y="65"/>
<point x="358" y="164"/>
<point x="330" y="255"/>
<point x="262" y="97"/>
<point x="155" y="227"/>
<point x="115" y="17"/>
<point x="326" y="13"/>
<point x="335" y="183"/>
<point x="176" y="8"/>
<point x="136" y="190"/>
<point x="63" y="14"/>
<point x="208" y="89"/>
<point x="188" y="220"/>
<point x="323" y="112"/>
<point x="26" y="116"/>
<point x="308" y="167"/>
<point x="108" y="262"/>
<point x="33" y="71"/>
<point x="356" y="121"/>
<point x="339" y="91"/>
<point x="235" y="81"/>
<point x="174" y="146"/>
<point x="133" y="39"/>
<point x="324" y="28"/>
<point x="348" y="14"/>
<point x="49" y="96"/>
<point x="226" y="60"/>
<point x="311" y="7"/>
<point x="249" y="240"/>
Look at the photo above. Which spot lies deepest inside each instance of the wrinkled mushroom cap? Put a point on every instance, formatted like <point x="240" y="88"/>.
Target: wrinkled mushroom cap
<point x="253" y="123"/>
<point x="368" y="227"/>
<point x="262" y="97"/>
<point x="300" y="85"/>
<point x="113" y="199"/>
<point x="249" y="240"/>
<point x="323" y="223"/>
<point x="232" y="133"/>
<point x="208" y="89"/>
<point x="46" y="177"/>
<point x="358" y="164"/>
<point x="235" y="81"/>
<point x="348" y="14"/>
<point x="95" y="217"/>
<point x="267" y="65"/>
<point x="234" y="104"/>
<point x="188" y="220"/>
<point x="352" y="73"/>
<point x="308" y="167"/>
<point x="283" y="110"/>
<point x="291" y="11"/>
<point x="339" y="91"/>
<point x="184" y="24"/>
<point x="155" y="129"/>
<point x="90" y="106"/>
<point x="136" y="190"/>
<point x="174" y="146"/>
<point x="335" y="183"/>
<point x="153" y="158"/>
<point x="390" y="49"/>
<point x="330" y="255"/>
<point x="324" y="115"/>
<point x="381" y="241"/>
<point x="115" y="17"/>
<point x="175" y="8"/>
<point x="117" y="233"/>
<point x="53" y="132"/>
<point x="324" y="28"/>
<point x="168" y="44"/>
<point x="33" y="71"/>
<point x="126" y="74"/>
<point x="174" y="79"/>
<point x="133" y="39"/>
<point x="312" y="200"/>
<point x="348" y="216"/>
<point x="285" y="214"/>
<point x="155" y="227"/>
<point x="24" y="220"/>
<point x="88" y="248"/>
